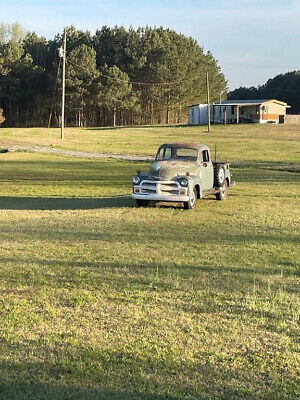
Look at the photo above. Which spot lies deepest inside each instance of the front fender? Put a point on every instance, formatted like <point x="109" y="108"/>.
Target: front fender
<point x="194" y="180"/>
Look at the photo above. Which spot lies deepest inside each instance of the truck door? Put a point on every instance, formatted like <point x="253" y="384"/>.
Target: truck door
<point x="206" y="171"/>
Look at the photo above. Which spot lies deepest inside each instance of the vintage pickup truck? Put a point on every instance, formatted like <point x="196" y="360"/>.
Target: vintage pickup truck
<point x="181" y="172"/>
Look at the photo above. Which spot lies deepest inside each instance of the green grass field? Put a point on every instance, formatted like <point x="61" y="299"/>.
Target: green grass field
<point x="102" y="300"/>
<point x="234" y="142"/>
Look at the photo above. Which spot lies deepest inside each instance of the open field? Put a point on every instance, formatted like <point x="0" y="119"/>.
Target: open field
<point x="253" y="142"/>
<point x="101" y="300"/>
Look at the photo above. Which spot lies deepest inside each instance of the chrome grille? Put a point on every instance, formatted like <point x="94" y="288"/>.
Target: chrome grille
<point x="148" y="187"/>
<point x="160" y="187"/>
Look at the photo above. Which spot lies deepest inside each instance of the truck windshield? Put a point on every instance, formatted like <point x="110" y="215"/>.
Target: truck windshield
<point x="177" y="153"/>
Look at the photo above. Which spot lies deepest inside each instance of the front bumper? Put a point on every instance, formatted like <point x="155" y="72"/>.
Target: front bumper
<point x="155" y="197"/>
<point x="160" y="191"/>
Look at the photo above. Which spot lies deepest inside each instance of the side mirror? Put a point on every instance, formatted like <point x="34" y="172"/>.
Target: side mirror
<point x="138" y="171"/>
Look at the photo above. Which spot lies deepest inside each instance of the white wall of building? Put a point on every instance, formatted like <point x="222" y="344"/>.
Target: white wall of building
<point x="198" y="114"/>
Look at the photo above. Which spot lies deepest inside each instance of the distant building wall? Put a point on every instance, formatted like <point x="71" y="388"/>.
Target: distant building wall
<point x="292" y="119"/>
<point x="275" y="108"/>
<point x="271" y="112"/>
<point x="198" y="114"/>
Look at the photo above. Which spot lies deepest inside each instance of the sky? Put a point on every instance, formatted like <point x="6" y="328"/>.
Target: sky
<point x="253" y="40"/>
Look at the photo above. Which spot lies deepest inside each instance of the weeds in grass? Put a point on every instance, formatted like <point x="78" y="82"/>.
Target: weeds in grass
<point x="101" y="300"/>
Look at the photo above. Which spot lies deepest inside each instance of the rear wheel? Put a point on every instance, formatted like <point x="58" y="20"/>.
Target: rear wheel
<point x="191" y="203"/>
<point x="223" y="192"/>
<point x="142" y="203"/>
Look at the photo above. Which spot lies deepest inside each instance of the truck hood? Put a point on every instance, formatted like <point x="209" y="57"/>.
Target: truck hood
<point x="169" y="170"/>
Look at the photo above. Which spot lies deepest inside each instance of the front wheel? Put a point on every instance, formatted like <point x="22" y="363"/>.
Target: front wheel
<point x="191" y="203"/>
<point x="223" y="192"/>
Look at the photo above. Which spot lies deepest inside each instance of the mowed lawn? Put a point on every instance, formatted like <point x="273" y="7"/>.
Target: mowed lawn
<point x="252" y="142"/>
<point x="102" y="300"/>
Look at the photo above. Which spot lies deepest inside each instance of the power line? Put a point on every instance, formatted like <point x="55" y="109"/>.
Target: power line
<point x="174" y="82"/>
<point x="139" y="83"/>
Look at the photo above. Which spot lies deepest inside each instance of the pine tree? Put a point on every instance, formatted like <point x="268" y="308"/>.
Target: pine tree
<point x="14" y="33"/>
<point x="284" y="87"/>
<point x="116" y="91"/>
<point x="81" y="83"/>
<point x="149" y="75"/>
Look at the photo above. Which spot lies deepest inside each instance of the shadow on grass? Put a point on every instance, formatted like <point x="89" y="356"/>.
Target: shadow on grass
<point x="119" y="276"/>
<point x="35" y="390"/>
<point x="123" y="377"/>
<point x="144" y="269"/>
<point x="61" y="203"/>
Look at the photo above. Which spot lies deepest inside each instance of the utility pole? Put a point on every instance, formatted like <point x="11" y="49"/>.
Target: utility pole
<point x="63" y="55"/>
<point x="208" y="102"/>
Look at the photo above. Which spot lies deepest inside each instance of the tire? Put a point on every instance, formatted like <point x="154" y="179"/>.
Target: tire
<point x="223" y="192"/>
<point x="191" y="203"/>
<point x="219" y="176"/>
<point x="142" y="203"/>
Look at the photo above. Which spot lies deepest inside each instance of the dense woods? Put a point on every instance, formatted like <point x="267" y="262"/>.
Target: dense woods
<point x="284" y="87"/>
<point x="117" y="76"/>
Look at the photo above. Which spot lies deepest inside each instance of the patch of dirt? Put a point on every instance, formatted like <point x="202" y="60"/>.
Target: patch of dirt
<point x="75" y="153"/>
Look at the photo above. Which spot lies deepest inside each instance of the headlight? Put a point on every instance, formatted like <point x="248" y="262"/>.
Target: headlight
<point x="136" y="180"/>
<point x="184" y="182"/>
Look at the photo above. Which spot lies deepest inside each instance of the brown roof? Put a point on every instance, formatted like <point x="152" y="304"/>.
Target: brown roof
<point x="249" y="102"/>
<point x="246" y="102"/>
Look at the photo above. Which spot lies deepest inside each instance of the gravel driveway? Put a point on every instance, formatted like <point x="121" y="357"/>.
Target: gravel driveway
<point x="75" y="153"/>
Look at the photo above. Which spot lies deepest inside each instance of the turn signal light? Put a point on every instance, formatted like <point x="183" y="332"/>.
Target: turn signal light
<point x="182" y="191"/>
<point x="137" y="190"/>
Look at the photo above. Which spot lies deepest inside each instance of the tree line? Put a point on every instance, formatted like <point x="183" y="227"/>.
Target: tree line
<point x="117" y="76"/>
<point x="284" y="87"/>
